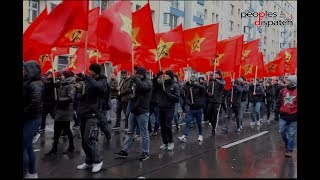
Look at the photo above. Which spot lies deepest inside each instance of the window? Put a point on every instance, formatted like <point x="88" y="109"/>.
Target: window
<point x="274" y="8"/>
<point x="102" y="3"/>
<point x="52" y="5"/>
<point x="173" y="21"/>
<point x="152" y="15"/>
<point x="138" y="7"/>
<point x="213" y="16"/>
<point x="246" y="29"/>
<point x="264" y="51"/>
<point x="265" y="40"/>
<point x="33" y="10"/>
<point x="238" y="27"/>
<point x="205" y="13"/>
<point x="232" y="9"/>
<point x="166" y="17"/>
<point x="175" y="4"/>
<point x="231" y="25"/>
<point x="272" y="41"/>
<point x="63" y="62"/>
<point x="238" y="12"/>
<point x="217" y="18"/>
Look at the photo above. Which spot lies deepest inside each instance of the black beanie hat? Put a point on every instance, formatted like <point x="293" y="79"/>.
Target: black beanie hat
<point x="67" y="73"/>
<point x="218" y="72"/>
<point x="141" y="71"/>
<point x="170" y="73"/>
<point x="95" y="68"/>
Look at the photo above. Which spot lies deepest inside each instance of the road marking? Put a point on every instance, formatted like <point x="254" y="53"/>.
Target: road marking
<point x="244" y="140"/>
<point x="36" y="150"/>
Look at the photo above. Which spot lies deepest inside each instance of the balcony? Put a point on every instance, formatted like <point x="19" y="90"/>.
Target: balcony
<point x="201" y="2"/>
<point x="198" y="20"/>
<point x="176" y="12"/>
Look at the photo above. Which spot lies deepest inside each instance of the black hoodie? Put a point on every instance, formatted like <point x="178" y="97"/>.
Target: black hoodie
<point x="32" y="91"/>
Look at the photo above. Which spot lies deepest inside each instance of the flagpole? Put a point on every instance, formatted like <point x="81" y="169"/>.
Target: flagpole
<point x="85" y="61"/>
<point x="232" y="88"/>
<point x="214" y="71"/>
<point x="150" y="73"/>
<point x="265" y="93"/>
<point x="105" y="69"/>
<point x="255" y="80"/>
<point x="97" y="57"/>
<point x="54" y="79"/>
<point x="191" y="95"/>
<point x="295" y="72"/>
<point x="157" y="48"/>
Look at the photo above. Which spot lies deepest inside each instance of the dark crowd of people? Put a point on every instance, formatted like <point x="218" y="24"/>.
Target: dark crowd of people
<point x="149" y="105"/>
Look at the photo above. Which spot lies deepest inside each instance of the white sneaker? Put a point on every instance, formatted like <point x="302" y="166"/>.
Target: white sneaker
<point x="200" y="138"/>
<point x="84" y="166"/>
<point x="97" y="167"/>
<point x="183" y="138"/>
<point x="258" y="123"/>
<point x="164" y="146"/>
<point x="210" y="124"/>
<point x="252" y="123"/>
<point x="35" y="138"/>
<point x="31" y="176"/>
<point x="170" y="146"/>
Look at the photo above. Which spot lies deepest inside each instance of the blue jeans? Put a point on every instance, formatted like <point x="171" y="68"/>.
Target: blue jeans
<point x="176" y="114"/>
<point x="255" y="111"/>
<point x="243" y="107"/>
<point x="193" y="114"/>
<point x="30" y="128"/>
<point x="288" y="131"/>
<point x="141" y="121"/>
<point x="127" y="116"/>
<point x="154" y="108"/>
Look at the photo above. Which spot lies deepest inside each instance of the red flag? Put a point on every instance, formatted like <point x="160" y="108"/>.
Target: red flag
<point x="248" y="69"/>
<point x="143" y="39"/>
<point x="249" y="52"/>
<point x="59" y="51"/>
<point x="227" y="78"/>
<point x="92" y="28"/>
<point x="114" y="33"/>
<point x="64" y="26"/>
<point x="77" y="61"/>
<point x="290" y="57"/>
<point x="239" y="39"/>
<point x="31" y="49"/>
<point x="171" y="48"/>
<point x="201" y="42"/>
<point x="97" y="57"/>
<point x="274" y="68"/>
<point x="142" y="28"/>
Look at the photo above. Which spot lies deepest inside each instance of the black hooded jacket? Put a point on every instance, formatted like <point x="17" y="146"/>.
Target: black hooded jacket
<point x="141" y="100"/>
<point x="90" y="100"/>
<point x="170" y="96"/>
<point x="216" y="97"/>
<point x="32" y="91"/>
<point x="198" y="92"/>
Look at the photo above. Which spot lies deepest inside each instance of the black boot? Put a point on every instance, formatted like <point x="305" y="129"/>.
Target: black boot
<point x="53" y="151"/>
<point x="69" y="150"/>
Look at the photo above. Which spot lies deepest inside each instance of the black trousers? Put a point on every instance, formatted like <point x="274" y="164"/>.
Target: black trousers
<point x="236" y="111"/>
<point x="103" y="125"/>
<point x="165" y="118"/>
<point x="58" y="127"/>
<point x="121" y="106"/>
<point x="269" y="108"/>
<point x="47" y="109"/>
<point x="213" y="112"/>
<point x="89" y="128"/>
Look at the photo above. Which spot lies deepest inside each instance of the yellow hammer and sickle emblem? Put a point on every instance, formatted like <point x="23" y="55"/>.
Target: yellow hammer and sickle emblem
<point x="271" y="68"/>
<point x="73" y="62"/>
<point x="245" y="54"/>
<point x="75" y="35"/>
<point x="288" y="56"/>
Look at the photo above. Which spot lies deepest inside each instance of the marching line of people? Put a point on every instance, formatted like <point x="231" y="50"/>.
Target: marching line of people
<point x="90" y="100"/>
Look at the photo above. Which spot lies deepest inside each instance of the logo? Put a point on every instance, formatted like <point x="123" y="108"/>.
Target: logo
<point x="272" y="68"/>
<point x="196" y="43"/>
<point x="248" y="69"/>
<point x="285" y="18"/>
<point x="75" y="35"/>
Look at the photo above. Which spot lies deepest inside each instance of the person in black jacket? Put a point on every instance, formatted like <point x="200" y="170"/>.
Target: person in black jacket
<point x="176" y="115"/>
<point x="104" y="106"/>
<point x="170" y="96"/>
<point x="255" y="100"/>
<point x="195" y="101"/>
<point x="203" y="82"/>
<point x="235" y="104"/>
<point x="49" y="103"/>
<point x="270" y="95"/>
<point x="32" y="102"/>
<point x="79" y="89"/>
<point x="154" y="107"/>
<point x="244" y="98"/>
<point x="89" y="120"/>
<point x="64" y="113"/>
<point x="142" y="88"/>
<point x="216" y="84"/>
